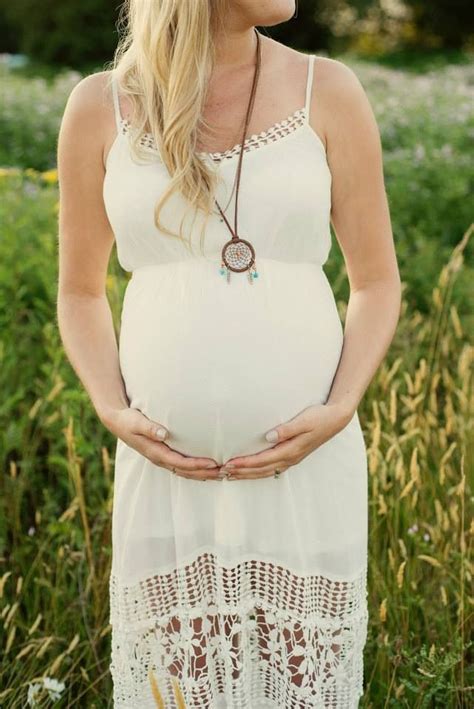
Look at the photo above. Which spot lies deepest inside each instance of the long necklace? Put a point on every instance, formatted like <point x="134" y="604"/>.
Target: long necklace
<point x="238" y="254"/>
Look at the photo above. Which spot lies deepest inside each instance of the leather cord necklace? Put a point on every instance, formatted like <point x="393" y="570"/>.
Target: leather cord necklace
<point x="238" y="254"/>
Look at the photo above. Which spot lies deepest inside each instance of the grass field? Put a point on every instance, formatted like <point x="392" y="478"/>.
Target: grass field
<point x="417" y="417"/>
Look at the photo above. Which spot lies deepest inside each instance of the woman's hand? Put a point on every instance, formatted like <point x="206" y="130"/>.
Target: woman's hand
<point x="147" y="436"/>
<point x="296" y="438"/>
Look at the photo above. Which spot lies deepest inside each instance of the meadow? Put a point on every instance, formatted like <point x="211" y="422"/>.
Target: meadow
<point x="417" y="415"/>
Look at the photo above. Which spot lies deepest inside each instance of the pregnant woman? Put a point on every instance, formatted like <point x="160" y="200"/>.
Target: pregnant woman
<point x="216" y="158"/>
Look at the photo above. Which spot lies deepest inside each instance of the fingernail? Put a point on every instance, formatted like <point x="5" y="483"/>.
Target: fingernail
<point x="211" y="465"/>
<point x="229" y="465"/>
<point x="160" y="432"/>
<point x="272" y="436"/>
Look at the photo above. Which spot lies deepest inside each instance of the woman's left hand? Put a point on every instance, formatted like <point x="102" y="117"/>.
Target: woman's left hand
<point x="297" y="438"/>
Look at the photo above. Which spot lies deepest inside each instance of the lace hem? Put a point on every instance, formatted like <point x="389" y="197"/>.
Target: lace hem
<point x="256" y="140"/>
<point x="254" y="635"/>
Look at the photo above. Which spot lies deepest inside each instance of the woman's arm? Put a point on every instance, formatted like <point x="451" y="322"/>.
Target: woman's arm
<point x="342" y="115"/>
<point x="85" y="244"/>
<point x="361" y="221"/>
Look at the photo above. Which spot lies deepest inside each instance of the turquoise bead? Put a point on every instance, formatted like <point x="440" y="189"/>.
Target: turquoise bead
<point x="255" y="275"/>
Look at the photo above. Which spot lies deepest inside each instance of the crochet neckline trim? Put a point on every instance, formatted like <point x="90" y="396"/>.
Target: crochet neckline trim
<point x="277" y="130"/>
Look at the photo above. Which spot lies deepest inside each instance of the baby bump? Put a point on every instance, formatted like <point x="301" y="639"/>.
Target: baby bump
<point x="220" y="364"/>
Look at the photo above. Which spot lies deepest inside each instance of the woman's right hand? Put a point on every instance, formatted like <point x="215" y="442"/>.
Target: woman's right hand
<point x="147" y="437"/>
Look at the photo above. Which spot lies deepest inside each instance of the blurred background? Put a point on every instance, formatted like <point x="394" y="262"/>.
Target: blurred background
<point x="414" y="59"/>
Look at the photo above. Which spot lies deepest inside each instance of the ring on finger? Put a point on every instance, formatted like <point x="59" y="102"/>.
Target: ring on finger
<point x="189" y="477"/>
<point x="250" y="475"/>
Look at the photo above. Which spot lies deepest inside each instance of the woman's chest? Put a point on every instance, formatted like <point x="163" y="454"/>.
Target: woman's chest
<point x="284" y="199"/>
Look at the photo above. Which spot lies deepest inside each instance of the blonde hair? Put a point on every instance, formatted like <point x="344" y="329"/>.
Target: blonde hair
<point x="163" y="62"/>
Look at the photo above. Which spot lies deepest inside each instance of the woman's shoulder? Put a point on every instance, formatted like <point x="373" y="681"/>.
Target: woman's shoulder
<point x="87" y="122"/>
<point x="335" y="75"/>
<point x="330" y="75"/>
<point x="89" y="102"/>
<point x="337" y="91"/>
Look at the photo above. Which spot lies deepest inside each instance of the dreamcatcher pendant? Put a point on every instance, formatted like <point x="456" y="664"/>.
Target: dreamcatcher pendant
<point x="238" y="255"/>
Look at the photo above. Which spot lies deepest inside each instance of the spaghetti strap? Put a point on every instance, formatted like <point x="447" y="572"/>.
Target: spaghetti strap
<point x="118" y="117"/>
<point x="309" y="84"/>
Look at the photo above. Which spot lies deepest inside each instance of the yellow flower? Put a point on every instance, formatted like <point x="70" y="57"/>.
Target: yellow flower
<point x="50" y="176"/>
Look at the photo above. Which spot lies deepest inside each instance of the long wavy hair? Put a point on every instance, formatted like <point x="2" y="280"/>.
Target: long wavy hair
<point x="163" y="62"/>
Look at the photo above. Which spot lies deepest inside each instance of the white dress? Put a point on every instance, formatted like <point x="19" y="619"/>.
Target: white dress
<point x="250" y="593"/>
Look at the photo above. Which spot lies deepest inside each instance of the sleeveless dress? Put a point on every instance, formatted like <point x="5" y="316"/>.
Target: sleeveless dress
<point x="243" y="593"/>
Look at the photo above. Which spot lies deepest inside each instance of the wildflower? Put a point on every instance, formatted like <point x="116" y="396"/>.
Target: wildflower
<point x="419" y="152"/>
<point x="30" y="188"/>
<point x="33" y="691"/>
<point x="54" y="687"/>
<point x="50" y="176"/>
<point x="446" y="150"/>
<point x="51" y="685"/>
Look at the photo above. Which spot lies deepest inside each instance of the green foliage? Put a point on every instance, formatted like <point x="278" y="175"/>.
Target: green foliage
<point x="63" y="33"/>
<point x="435" y="668"/>
<point x="446" y="24"/>
<point x="77" y="33"/>
<point x="50" y="440"/>
<point x="30" y="118"/>
<point x="426" y="123"/>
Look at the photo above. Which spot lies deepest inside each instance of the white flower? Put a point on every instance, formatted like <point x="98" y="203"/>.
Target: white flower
<point x="33" y="691"/>
<point x="446" y="150"/>
<point x="52" y="686"/>
<point x="419" y="152"/>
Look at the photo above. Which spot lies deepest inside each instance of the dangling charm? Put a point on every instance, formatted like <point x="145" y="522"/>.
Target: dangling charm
<point x="253" y="273"/>
<point x="224" y="271"/>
